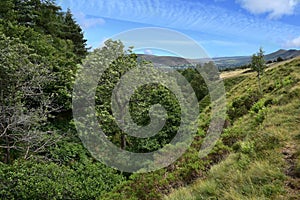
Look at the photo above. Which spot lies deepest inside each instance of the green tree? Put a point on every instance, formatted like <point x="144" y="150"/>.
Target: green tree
<point x="72" y="31"/>
<point x="197" y="82"/>
<point x="50" y="33"/>
<point x="258" y="65"/>
<point x="47" y="18"/>
<point x="6" y="9"/>
<point x="139" y="104"/>
<point x="125" y="61"/>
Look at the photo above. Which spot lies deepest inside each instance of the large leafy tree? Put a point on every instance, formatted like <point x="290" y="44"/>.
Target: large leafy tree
<point x="139" y="104"/>
<point x="125" y="61"/>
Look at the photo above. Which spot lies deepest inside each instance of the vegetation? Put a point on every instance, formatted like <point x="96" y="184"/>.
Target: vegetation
<point x="250" y="160"/>
<point x="279" y="59"/>
<point x="41" y="156"/>
<point x="263" y="141"/>
<point x="258" y="65"/>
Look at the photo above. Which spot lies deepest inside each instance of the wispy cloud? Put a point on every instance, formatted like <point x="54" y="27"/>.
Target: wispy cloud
<point x="88" y="22"/>
<point x="294" y="43"/>
<point x="162" y="39"/>
<point x="233" y="30"/>
<point x="275" y="8"/>
<point x="196" y="16"/>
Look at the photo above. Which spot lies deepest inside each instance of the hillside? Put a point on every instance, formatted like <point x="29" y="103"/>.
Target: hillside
<point x="244" y="72"/>
<point x="221" y="62"/>
<point x="161" y="61"/>
<point x="264" y="160"/>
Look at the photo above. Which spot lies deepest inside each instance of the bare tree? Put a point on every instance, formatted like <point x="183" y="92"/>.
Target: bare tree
<point x="24" y="104"/>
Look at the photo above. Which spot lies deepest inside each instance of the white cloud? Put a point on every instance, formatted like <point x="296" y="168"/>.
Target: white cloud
<point x="294" y="43"/>
<point x="275" y="8"/>
<point x="148" y="52"/>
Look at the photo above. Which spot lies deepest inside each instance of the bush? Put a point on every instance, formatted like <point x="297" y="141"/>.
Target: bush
<point x="34" y="180"/>
<point x="279" y="59"/>
<point x="242" y="105"/>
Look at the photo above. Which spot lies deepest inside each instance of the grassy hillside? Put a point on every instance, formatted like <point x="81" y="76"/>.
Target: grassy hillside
<point x="264" y="141"/>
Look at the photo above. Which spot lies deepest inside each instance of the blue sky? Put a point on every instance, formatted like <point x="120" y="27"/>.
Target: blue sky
<point x="221" y="27"/>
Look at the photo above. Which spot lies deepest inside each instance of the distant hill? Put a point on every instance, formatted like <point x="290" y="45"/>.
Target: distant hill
<point x="285" y="54"/>
<point x="161" y="61"/>
<point x="221" y="62"/>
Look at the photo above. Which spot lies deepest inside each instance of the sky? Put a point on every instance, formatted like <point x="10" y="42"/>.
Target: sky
<point x="220" y="27"/>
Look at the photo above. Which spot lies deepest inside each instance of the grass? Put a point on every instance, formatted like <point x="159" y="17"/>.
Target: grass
<point x="264" y="161"/>
<point x="233" y="73"/>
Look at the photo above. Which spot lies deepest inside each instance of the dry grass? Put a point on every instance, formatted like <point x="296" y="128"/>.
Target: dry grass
<point x="234" y="73"/>
<point x="241" y="72"/>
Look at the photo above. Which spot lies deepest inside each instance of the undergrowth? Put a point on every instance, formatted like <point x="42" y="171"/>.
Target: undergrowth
<point x="247" y="162"/>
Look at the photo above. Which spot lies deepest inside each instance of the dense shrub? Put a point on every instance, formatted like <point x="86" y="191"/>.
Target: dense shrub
<point x="36" y="180"/>
<point x="241" y="105"/>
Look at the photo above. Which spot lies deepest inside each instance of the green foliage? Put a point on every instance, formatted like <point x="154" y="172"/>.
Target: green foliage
<point x="279" y="59"/>
<point x="241" y="105"/>
<point x="125" y="61"/>
<point x="35" y="180"/>
<point x="258" y="110"/>
<point x="46" y="18"/>
<point x="51" y="34"/>
<point x="153" y="185"/>
<point x="196" y="81"/>
<point x="244" y="147"/>
<point x="142" y="100"/>
<point x="231" y="82"/>
<point x="139" y="105"/>
<point x="40" y="47"/>
<point x="25" y="105"/>
<point x="257" y="168"/>
<point x="258" y="65"/>
<point x="258" y="62"/>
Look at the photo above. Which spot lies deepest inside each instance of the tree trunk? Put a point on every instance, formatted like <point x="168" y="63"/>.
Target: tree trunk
<point x="7" y="157"/>
<point x="259" y="84"/>
<point x="123" y="141"/>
